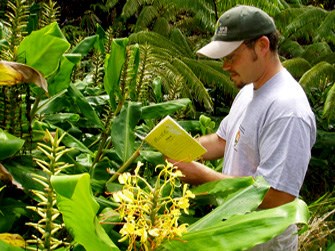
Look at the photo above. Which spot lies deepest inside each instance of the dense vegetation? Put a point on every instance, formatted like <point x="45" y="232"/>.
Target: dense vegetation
<point x="110" y="70"/>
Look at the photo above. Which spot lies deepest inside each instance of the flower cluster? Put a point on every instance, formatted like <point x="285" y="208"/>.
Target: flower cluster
<point x="150" y="212"/>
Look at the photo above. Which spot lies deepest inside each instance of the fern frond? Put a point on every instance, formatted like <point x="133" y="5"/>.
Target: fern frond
<point x="192" y="83"/>
<point x="314" y="51"/>
<point x="329" y="106"/>
<point x="326" y="30"/>
<point x="318" y="76"/>
<point x="330" y="58"/>
<point x="146" y="17"/>
<point x="297" y="66"/>
<point x="162" y="27"/>
<point x="306" y="24"/>
<point x="180" y="40"/>
<point x="271" y="7"/>
<point x="286" y="16"/>
<point x="156" y="40"/>
<point x="131" y="7"/>
<point x="211" y="74"/>
<point x="290" y="49"/>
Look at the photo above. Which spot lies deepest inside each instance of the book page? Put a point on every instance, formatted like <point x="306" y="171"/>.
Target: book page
<point x="173" y="141"/>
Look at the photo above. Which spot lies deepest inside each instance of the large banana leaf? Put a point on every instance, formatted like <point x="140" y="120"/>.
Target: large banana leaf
<point x="78" y="207"/>
<point x="245" y="200"/>
<point x="241" y="232"/>
<point x="43" y="49"/>
<point x="61" y="79"/>
<point x="122" y="133"/>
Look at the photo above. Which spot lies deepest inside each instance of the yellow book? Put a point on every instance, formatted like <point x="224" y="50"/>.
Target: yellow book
<point x="173" y="141"/>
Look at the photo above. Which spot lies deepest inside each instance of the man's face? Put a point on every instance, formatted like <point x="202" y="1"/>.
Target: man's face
<point x="241" y="64"/>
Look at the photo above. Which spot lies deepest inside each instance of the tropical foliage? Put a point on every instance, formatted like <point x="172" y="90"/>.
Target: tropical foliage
<point x="76" y="91"/>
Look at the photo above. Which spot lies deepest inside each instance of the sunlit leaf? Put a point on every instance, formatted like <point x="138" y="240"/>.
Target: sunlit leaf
<point x="49" y="44"/>
<point x="122" y="132"/>
<point x="79" y="208"/>
<point x="12" y="73"/>
<point x="13" y="239"/>
<point x="160" y="110"/>
<point x="241" y="232"/>
<point x="113" y="68"/>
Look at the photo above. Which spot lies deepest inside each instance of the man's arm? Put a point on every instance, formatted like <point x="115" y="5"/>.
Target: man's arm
<point x="274" y="198"/>
<point x="196" y="173"/>
<point x="215" y="146"/>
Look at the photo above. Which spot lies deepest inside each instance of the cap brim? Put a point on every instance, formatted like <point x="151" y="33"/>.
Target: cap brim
<point x="219" y="49"/>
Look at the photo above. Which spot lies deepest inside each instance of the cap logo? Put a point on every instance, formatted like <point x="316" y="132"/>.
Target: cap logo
<point x="221" y="30"/>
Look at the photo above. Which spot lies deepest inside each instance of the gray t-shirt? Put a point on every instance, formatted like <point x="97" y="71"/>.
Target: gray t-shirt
<point x="270" y="132"/>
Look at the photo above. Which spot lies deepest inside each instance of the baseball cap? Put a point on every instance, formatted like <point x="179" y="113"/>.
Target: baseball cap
<point x="234" y="26"/>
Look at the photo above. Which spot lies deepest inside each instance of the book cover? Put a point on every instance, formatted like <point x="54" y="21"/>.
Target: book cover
<point x="173" y="141"/>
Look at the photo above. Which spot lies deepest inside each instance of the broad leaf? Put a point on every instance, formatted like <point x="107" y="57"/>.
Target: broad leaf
<point x="43" y="49"/>
<point x="113" y="68"/>
<point x="12" y="73"/>
<point x="61" y="79"/>
<point x="160" y="110"/>
<point x="122" y="133"/>
<point x="241" y="202"/>
<point x="241" y="232"/>
<point x="85" y="108"/>
<point x="4" y="246"/>
<point x="85" y="45"/>
<point x="9" y="144"/>
<point x="79" y="208"/>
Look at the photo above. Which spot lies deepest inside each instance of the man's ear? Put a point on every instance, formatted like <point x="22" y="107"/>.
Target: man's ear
<point x="263" y="44"/>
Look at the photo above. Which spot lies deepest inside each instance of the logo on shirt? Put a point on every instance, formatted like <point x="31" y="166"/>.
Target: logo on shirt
<point x="237" y="138"/>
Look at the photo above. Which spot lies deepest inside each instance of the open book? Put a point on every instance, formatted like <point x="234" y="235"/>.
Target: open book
<point x="173" y="141"/>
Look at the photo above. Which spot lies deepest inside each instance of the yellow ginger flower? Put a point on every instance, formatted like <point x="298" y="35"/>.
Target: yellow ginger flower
<point x="149" y="217"/>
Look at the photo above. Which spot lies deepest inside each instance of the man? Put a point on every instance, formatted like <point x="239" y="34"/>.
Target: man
<point x="270" y="128"/>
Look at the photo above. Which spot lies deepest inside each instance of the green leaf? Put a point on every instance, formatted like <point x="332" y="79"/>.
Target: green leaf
<point x="243" y="201"/>
<point x="297" y="66"/>
<point x="85" y="45"/>
<point x="85" y="108"/>
<point x="159" y="110"/>
<point x="43" y="49"/>
<point x="113" y="68"/>
<point x="241" y="232"/>
<point x="9" y="144"/>
<point x="61" y="79"/>
<point x="78" y="207"/>
<point x="318" y="76"/>
<point x="4" y="246"/>
<point x="329" y="106"/>
<point x="122" y="133"/>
